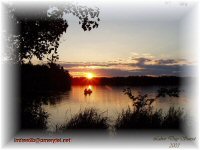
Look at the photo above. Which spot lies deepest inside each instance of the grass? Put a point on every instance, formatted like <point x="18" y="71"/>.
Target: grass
<point x="143" y="116"/>
<point x="87" y="119"/>
<point x="147" y="119"/>
<point x="128" y="119"/>
<point x="173" y="119"/>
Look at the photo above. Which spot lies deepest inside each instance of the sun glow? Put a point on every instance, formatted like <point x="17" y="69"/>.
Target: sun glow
<point x="89" y="75"/>
<point x="90" y="87"/>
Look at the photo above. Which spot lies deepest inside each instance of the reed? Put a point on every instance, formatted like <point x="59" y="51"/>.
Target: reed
<point x="87" y="119"/>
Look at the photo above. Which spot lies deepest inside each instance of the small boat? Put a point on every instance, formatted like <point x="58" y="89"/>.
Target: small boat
<point x="87" y="91"/>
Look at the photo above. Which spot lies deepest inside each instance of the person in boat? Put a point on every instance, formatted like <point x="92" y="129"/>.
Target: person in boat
<point x="87" y="91"/>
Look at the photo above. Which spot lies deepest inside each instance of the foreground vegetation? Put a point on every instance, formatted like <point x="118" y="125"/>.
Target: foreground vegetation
<point x="142" y="116"/>
<point x="88" y="119"/>
<point x="130" y="119"/>
<point x="32" y="116"/>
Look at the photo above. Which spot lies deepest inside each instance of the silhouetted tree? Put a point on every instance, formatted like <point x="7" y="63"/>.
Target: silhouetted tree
<point x="143" y="116"/>
<point x="32" y="115"/>
<point x="140" y="102"/>
<point x="172" y="92"/>
<point x="40" y="78"/>
<point x="143" y="102"/>
<point x="38" y="33"/>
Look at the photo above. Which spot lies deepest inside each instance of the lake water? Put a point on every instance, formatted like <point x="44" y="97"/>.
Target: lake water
<point x="108" y="100"/>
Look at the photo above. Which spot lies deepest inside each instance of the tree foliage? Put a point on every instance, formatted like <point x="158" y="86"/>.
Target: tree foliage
<point x="143" y="102"/>
<point x="39" y="33"/>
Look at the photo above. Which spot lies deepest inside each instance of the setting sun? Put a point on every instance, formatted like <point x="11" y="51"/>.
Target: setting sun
<point x="90" y="75"/>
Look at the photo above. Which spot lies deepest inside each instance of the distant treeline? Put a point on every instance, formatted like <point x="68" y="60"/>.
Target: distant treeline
<point x="131" y="80"/>
<point x="40" y="78"/>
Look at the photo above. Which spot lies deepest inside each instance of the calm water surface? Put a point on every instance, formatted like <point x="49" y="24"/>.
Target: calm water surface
<point x="108" y="100"/>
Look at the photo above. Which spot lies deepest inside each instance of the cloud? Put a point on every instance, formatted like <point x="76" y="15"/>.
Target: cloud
<point x="141" y="61"/>
<point x="147" y="65"/>
<point x="86" y="64"/>
<point x="166" y="61"/>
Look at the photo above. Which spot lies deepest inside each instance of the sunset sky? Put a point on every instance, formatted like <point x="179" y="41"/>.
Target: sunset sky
<point x="132" y="39"/>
